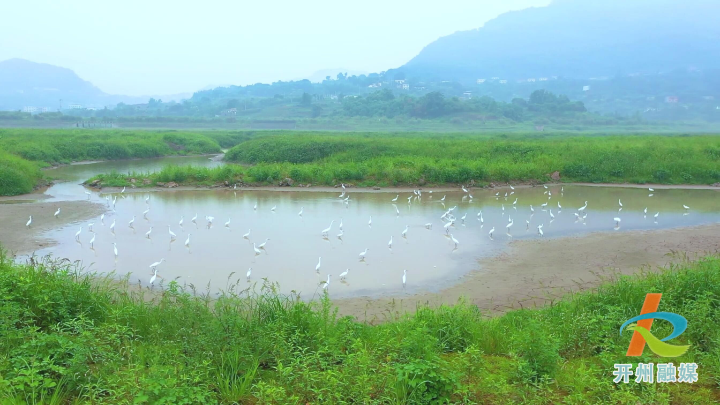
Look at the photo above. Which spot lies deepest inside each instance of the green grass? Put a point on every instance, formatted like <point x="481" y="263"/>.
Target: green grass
<point x="399" y="159"/>
<point x="24" y="151"/>
<point x="17" y="175"/>
<point x="81" y="338"/>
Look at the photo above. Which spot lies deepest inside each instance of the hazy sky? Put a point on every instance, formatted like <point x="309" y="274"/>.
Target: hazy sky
<point x="161" y="47"/>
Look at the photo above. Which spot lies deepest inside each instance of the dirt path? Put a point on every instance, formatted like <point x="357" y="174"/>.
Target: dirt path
<point x="18" y="239"/>
<point x="536" y="272"/>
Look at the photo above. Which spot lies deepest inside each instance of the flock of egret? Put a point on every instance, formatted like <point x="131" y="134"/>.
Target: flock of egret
<point x="448" y="218"/>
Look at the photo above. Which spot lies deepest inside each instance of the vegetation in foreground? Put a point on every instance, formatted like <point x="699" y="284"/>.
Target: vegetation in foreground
<point x="420" y="159"/>
<point x="24" y="151"/>
<point x="69" y="337"/>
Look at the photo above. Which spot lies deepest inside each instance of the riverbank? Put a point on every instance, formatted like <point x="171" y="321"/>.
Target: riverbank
<point x="538" y="272"/>
<point x="84" y="337"/>
<point x="14" y="213"/>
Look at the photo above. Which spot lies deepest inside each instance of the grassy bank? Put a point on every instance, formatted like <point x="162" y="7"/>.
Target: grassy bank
<point x="74" y="337"/>
<point x="24" y="151"/>
<point x="423" y="159"/>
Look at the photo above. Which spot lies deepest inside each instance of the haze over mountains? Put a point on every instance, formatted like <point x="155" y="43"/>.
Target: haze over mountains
<point x="577" y="39"/>
<point x="25" y="83"/>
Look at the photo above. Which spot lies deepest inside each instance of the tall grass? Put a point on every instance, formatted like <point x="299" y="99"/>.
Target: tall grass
<point x="17" y="176"/>
<point x="405" y="159"/>
<point x="110" y="342"/>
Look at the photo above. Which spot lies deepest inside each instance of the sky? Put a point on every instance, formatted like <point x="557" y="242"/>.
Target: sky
<point x="134" y="47"/>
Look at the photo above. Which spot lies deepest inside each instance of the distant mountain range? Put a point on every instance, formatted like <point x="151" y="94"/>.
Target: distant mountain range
<point x="28" y="84"/>
<point x="578" y="39"/>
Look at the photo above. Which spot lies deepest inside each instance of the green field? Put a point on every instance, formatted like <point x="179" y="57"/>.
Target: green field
<point x="70" y="338"/>
<point x="24" y="151"/>
<point x="424" y="159"/>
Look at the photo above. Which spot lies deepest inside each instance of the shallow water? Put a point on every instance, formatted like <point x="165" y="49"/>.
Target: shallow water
<point x="291" y="255"/>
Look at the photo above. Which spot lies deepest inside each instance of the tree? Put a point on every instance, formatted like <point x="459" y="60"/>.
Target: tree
<point x="306" y="99"/>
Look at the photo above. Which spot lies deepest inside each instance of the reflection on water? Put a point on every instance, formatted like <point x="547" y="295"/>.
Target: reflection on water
<point x="294" y="242"/>
<point x="69" y="177"/>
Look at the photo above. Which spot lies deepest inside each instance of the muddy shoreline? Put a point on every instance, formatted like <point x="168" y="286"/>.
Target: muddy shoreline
<point x="534" y="273"/>
<point x="440" y="189"/>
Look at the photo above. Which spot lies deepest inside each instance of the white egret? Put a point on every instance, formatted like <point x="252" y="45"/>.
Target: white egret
<point x="617" y="221"/>
<point x="262" y="245"/>
<point x="342" y="185"/>
<point x="194" y="219"/>
<point x="92" y="241"/>
<point x="370" y="221"/>
<point x="147" y="199"/>
<point x="249" y="272"/>
<point x="559" y="206"/>
<point x="509" y="225"/>
<point x="301" y="211"/>
<point x="102" y="218"/>
<point x="404" y="232"/>
<point x="182" y="219"/>
<point x="497" y="194"/>
<point x="364" y="253"/>
<point x="491" y="231"/>
<point x="443" y="199"/>
<point x="326" y="230"/>
<point x="543" y="205"/>
<point x="397" y="211"/>
<point x="463" y="217"/>
<point x="227" y="224"/>
<point x="146" y="212"/>
<point x="651" y="189"/>
<point x="620" y="202"/>
<point x="147" y="234"/>
<point x="532" y="209"/>
<point x="77" y="235"/>
<point x="344" y="274"/>
<point x="340" y="235"/>
<point x="273" y="208"/>
<point x="404" y="277"/>
<point x="172" y="234"/>
<point x="187" y="241"/>
<point x="544" y="185"/>
<point x="257" y="251"/>
<point x="583" y="207"/>
<point x="29" y="222"/>
<point x="247" y="235"/>
<point x="551" y="214"/>
<point x="132" y="221"/>
<point x="209" y="220"/>
<point x="123" y="190"/>
<point x="503" y="207"/>
<point x="527" y="226"/>
<point x="154" y="265"/>
<point x="327" y="283"/>
<point x="57" y="212"/>
<point x="341" y="224"/>
<point x="152" y="279"/>
<point x="88" y="194"/>
<point x="482" y="220"/>
<point x="115" y="249"/>
<point x="390" y="243"/>
<point x="506" y="194"/>
<point x="515" y="202"/>
<point x="686" y="207"/>
<point x="540" y="231"/>
<point x="409" y="198"/>
<point x="447" y="226"/>
<point x="657" y="215"/>
<point x="396" y="198"/>
<point x="317" y="268"/>
<point x="464" y="189"/>
<point x="455" y="241"/>
<point x="112" y="226"/>
<point x="645" y="210"/>
<point x="511" y="187"/>
<point x="255" y="207"/>
<point x="428" y="225"/>
<point x="471" y="197"/>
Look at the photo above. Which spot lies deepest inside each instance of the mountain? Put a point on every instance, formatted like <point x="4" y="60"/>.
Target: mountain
<point x="578" y="39"/>
<point x="25" y="83"/>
